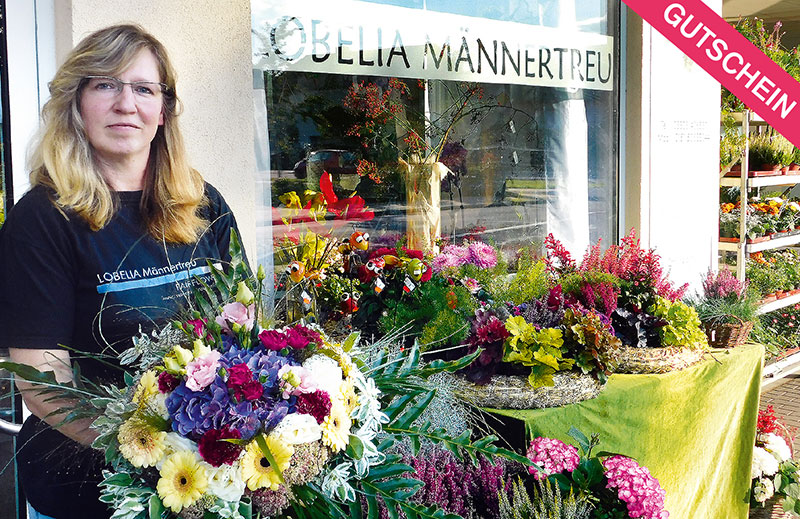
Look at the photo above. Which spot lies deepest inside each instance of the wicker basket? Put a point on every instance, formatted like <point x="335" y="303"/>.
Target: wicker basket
<point x="514" y="392"/>
<point x="727" y="335"/>
<point x="652" y="360"/>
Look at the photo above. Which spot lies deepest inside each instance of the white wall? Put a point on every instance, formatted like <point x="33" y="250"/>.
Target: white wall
<point x="672" y="157"/>
<point x="209" y="45"/>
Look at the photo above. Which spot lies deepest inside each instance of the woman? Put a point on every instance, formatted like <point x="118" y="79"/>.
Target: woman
<point x="107" y="242"/>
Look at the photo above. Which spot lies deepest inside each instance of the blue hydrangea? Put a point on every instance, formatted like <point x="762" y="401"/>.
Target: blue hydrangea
<point x="195" y="412"/>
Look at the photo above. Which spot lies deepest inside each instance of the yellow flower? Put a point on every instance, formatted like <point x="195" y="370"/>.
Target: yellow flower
<point x="177" y="359"/>
<point x="346" y="364"/>
<point x="336" y="427"/>
<point x="183" y="481"/>
<point x="256" y="470"/>
<point x="140" y="443"/>
<point x="147" y="388"/>
<point x="199" y="349"/>
<point x="348" y="395"/>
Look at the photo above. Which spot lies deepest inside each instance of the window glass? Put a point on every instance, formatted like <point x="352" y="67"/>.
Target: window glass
<point x="510" y="108"/>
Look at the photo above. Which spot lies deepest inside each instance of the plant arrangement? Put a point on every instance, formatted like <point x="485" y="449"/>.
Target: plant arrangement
<point x="613" y="485"/>
<point x="770" y="150"/>
<point x="222" y="417"/>
<point x="773" y="472"/>
<point x="726" y="308"/>
<point x="768" y="42"/>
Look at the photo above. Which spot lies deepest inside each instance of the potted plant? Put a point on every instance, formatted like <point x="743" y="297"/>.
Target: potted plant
<point x="731" y="146"/>
<point x="769" y="151"/>
<point x="762" y="279"/>
<point x="726" y="308"/>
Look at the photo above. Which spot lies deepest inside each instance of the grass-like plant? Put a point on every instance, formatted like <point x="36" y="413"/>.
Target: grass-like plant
<point x="547" y="503"/>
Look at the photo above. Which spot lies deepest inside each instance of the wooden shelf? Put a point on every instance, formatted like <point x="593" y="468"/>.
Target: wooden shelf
<point x="775" y="243"/>
<point x="754" y="182"/>
<point x="778" y="304"/>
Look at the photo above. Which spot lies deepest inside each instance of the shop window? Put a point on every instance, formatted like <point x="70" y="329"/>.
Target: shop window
<point x="517" y="103"/>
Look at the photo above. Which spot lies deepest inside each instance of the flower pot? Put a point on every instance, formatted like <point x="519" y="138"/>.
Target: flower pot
<point x="758" y="239"/>
<point x="780" y="294"/>
<point x="729" y="239"/>
<point x="794" y="168"/>
<point x="795" y="292"/>
<point x="784" y="170"/>
<point x="768" y="298"/>
<point x="423" y="202"/>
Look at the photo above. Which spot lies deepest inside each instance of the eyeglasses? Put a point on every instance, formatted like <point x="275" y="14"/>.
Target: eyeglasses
<point x="110" y="87"/>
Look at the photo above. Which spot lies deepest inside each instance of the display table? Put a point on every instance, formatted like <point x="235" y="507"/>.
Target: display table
<point x="694" y="429"/>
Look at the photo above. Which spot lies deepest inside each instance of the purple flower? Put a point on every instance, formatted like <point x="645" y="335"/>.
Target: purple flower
<point x="193" y="413"/>
<point x="482" y="255"/>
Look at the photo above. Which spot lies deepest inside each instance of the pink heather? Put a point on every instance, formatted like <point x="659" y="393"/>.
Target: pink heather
<point x="635" y="486"/>
<point x="553" y="456"/>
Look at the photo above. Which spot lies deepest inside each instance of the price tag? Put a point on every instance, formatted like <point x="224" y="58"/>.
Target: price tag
<point x="409" y="286"/>
<point x="379" y="285"/>
<point x="306" y="300"/>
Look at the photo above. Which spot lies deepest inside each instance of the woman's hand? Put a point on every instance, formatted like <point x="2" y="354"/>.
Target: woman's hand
<point x="57" y="361"/>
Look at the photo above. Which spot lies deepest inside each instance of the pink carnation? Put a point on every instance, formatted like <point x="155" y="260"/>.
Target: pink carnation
<point x="296" y="380"/>
<point x="201" y="372"/>
<point x="636" y="487"/>
<point x="553" y="456"/>
<point x="236" y="313"/>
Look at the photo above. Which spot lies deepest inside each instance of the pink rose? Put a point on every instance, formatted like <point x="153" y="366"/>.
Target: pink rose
<point x="201" y="372"/>
<point x="237" y="313"/>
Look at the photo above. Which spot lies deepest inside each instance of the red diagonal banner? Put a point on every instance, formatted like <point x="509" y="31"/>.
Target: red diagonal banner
<point x="730" y="58"/>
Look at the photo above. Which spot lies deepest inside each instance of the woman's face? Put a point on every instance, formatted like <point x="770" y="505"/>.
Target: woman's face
<point x="120" y="126"/>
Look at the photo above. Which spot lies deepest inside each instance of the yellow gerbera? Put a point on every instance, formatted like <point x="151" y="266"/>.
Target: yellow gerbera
<point x="183" y="481"/>
<point x="140" y="443"/>
<point x="336" y="427"/>
<point x="147" y="387"/>
<point x="347" y="394"/>
<point x="346" y="364"/>
<point x="256" y="470"/>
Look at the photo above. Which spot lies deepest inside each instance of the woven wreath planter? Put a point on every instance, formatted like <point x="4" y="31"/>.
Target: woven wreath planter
<point x="514" y="392"/>
<point x="653" y="360"/>
<point x="727" y="335"/>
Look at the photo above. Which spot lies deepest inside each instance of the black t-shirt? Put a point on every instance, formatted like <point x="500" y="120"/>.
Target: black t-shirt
<point x="63" y="284"/>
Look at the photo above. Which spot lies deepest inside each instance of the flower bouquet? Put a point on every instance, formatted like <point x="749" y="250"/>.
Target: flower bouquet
<point x="221" y="416"/>
<point x="773" y="472"/>
<point x="603" y="485"/>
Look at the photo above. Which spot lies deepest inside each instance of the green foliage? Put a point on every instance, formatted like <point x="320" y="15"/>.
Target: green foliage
<point x="726" y="310"/>
<point x="530" y="281"/>
<point x="683" y="329"/>
<point x="547" y="503"/>
<point x="770" y="148"/>
<point x="446" y="328"/>
<point x="731" y="144"/>
<point x="589" y="341"/>
<point x="543" y="350"/>
<point x="435" y="298"/>
<point x="573" y="282"/>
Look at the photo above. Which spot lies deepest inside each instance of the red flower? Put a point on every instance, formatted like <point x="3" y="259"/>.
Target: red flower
<point x="251" y="390"/>
<point x="299" y="337"/>
<point x="317" y="404"/>
<point x="199" y="326"/>
<point x="239" y="375"/>
<point x="167" y="382"/>
<point x="272" y="340"/>
<point x="215" y="451"/>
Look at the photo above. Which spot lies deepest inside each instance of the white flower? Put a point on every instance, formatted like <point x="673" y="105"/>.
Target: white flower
<point x="763" y="490"/>
<point x="225" y="481"/>
<point x="298" y="428"/>
<point x="336" y="484"/>
<point x="173" y="443"/>
<point x="776" y="446"/>
<point x="764" y="463"/>
<point x="326" y="373"/>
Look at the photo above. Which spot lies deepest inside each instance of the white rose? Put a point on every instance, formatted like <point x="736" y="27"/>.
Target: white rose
<point x="298" y="428"/>
<point x="763" y="490"/>
<point x="326" y="373"/>
<point x="225" y="481"/>
<point x="173" y="443"/>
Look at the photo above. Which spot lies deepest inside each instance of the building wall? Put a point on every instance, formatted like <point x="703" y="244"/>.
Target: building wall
<point x="209" y="45"/>
<point x="672" y="155"/>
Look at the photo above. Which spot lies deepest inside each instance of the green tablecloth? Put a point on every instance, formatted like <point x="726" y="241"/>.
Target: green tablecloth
<point x="694" y="429"/>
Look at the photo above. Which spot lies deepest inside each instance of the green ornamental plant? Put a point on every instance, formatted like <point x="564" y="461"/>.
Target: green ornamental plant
<point x="770" y="149"/>
<point x="547" y="502"/>
<point x="724" y="300"/>
<point x="542" y="350"/>
<point x="731" y="144"/>
<point x="683" y="328"/>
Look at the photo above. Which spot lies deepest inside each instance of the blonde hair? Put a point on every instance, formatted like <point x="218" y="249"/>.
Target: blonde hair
<point x="62" y="157"/>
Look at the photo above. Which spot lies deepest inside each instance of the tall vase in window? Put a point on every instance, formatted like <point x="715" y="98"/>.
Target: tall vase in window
<point x="423" y="181"/>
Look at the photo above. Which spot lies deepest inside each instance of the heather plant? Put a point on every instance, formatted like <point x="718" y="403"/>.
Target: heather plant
<point x="530" y="281"/>
<point x="724" y="299"/>
<point x="547" y="502"/>
<point x="593" y="289"/>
